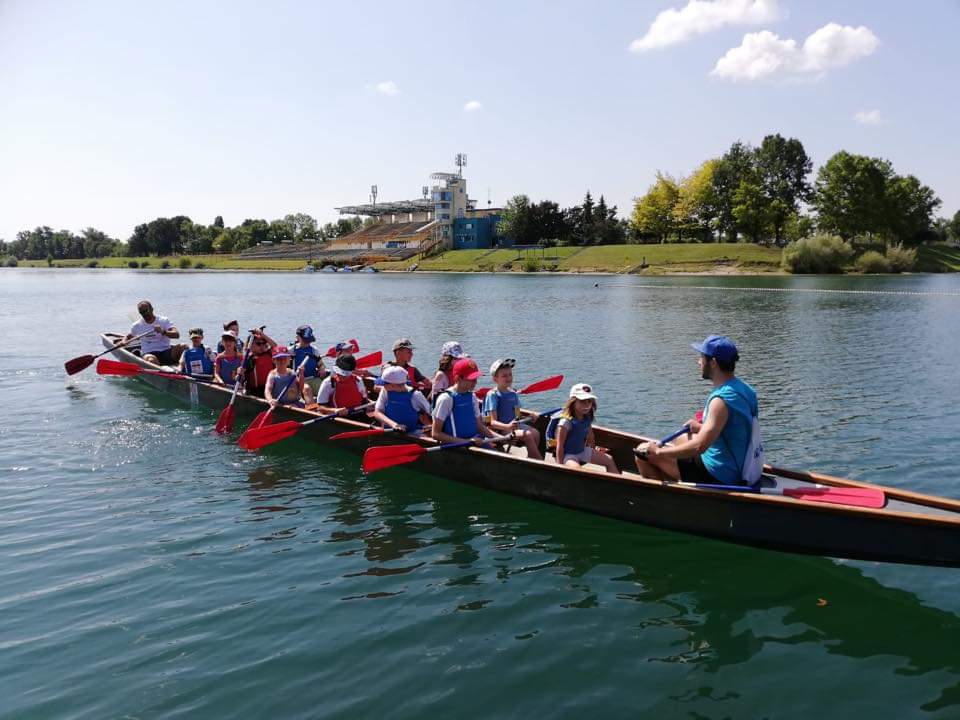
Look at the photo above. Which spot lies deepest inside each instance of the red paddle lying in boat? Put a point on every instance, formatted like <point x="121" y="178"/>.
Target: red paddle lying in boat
<point x="550" y="383"/>
<point x="225" y="421"/>
<point x="260" y="437"/>
<point x="84" y="361"/>
<point x="125" y="369"/>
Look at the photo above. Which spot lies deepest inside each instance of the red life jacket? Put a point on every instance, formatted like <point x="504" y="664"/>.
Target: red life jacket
<point x="262" y="365"/>
<point x="346" y="394"/>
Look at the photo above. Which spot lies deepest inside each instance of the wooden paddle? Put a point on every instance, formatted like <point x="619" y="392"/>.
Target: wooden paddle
<point x="225" y="421"/>
<point x="84" y="361"/>
<point x="550" y="383"/>
<point x="381" y="457"/>
<point x="260" y="437"/>
<point x="125" y="369"/>
<point x="354" y="348"/>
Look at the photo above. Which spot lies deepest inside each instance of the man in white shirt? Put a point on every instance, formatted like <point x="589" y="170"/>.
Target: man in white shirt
<point x="157" y="343"/>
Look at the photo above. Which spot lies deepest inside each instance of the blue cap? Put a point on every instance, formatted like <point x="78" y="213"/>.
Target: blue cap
<point x="306" y="332"/>
<point x="718" y="346"/>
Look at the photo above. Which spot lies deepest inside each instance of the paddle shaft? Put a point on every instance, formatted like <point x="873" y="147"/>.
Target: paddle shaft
<point x="240" y="370"/>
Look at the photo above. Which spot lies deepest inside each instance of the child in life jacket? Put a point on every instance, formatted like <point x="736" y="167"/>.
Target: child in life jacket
<point x="342" y="391"/>
<point x="449" y="354"/>
<point x="501" y="408"/>
<point x="231" y="326"/>
<point x="399" y="406"/>
<point x="285" y="386"/>
<point x="305" y="354"/>
<point x="227" y="363"/>
<point x="456" y="415"/>
<point x="197" y="360"/>
<point x="571" y="434"/>
<point x="259" y="364"/>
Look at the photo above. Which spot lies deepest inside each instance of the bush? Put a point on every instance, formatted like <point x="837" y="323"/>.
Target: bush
<point x="10" y="262"/>
<point x="824" y="254"/>
<point x="200" y="265"/>
<point x="165" y="264"/>
<point x="92" y="264"/>
<point x="901" y="259"/>
<point x="133" y="264"/>
<point x="872" y="262"/>
<point x="184" y="263"/>
<point x="145" y="264"/>
<point x="530" y="265"/>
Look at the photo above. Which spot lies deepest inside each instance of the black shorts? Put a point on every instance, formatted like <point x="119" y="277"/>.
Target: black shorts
<point x="164" y="357"/>
<point x="692" y="470"/>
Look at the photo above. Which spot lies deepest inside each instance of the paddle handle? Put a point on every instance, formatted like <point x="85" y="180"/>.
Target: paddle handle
<point x="642" y="454"/>
<point x="333" y="416"/>
<point x="472" y="441"/>
<point x="246" y="354"/>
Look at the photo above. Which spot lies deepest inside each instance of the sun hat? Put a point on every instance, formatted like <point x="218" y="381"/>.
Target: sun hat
<point x="394" y="375"/>
<point x="345" y="347"/>
<point x="583" y="391"/>
<point x="280" y="351"/>
<point x="465" y="369"/>
<point x="718" y="346"/>
<point x="306" y="332"/>
<point x="453" y="349"/>
<point x="403" y="343"/>
<point x="501" y="363"/>
<point x="345" y="365"/>
<point x="232" y="334"/>
<point x="196" y="332"/>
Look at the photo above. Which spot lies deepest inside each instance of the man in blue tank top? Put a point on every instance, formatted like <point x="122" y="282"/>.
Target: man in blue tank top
<point x="716" y="447"/>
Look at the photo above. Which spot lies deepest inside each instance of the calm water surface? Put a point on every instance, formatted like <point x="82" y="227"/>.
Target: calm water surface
<point x="151" y="569"/>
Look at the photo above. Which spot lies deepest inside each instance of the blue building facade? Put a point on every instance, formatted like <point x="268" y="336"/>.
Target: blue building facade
<point x="471" y="233"/>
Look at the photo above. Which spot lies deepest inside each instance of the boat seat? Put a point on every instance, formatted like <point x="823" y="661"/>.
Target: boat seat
<point x="552" y="459"/>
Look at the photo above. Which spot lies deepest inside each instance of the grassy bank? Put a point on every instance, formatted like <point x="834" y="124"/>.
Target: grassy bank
<point x="720" y="257"/>
<point x="209" y="262"/>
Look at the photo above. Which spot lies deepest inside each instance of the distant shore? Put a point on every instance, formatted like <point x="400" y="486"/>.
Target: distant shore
<point x="668" y="259"/>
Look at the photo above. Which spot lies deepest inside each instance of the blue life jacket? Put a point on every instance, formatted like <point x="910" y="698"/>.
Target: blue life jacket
<point x="724" y="459"/>
<point x="504" y="405"/>
<point x="462" y="420"/>
<point x="400" y="408"/>
<point x="577" y="431"/>
<point x="228" y="368"/>
<point x="312" y="364"/>
<point x="196" y="361"/>
<point x="288" y="382"/>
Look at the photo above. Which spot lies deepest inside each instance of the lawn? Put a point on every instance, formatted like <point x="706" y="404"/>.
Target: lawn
<point x="938" y="258"/>
<point x="213" y="262"/>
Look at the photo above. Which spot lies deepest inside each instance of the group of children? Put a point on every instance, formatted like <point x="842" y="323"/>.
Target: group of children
<point x="445" y="407"/>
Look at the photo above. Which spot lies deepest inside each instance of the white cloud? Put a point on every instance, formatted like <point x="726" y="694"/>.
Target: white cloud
<point x="763" y="54"/>
<point x="472" y="106"/>
<point x="699" y="17"/>
<point x="868" y="117"/>
<point x="387" y="87"/>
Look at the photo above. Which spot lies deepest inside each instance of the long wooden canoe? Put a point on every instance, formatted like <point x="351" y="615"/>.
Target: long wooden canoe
<point x="910" y="527"/>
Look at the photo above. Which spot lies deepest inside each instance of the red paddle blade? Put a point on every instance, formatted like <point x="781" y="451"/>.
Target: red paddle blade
<point x="370" y="360"/>
<point x="481" y="393"/>
<point x="78" y="363"/>
<point x="262" y="436"/>
<point x="858" y="497"/>
<point x="385" y="456"/>
<point x="225" y="421"/>
<point x="551" y="383"/>
<point x="358" y="434"/>
<point x="115" y="367"/>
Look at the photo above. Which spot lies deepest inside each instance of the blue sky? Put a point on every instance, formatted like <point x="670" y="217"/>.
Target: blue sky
<point x="115" y="113"/>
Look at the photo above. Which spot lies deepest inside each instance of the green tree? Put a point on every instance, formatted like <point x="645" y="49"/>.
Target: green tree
<point x="851" y="195"/>
<point x="137" y="244"/>
<point x="753" y="210"/>
<point x="218" y="222"/>
<point x="909" y="209"/>
<point x="652" y="215"/>
<point x="783" y="167"/>
<point x="736" y="164"/>
<point x="609" y="229"/>
<point x="697" y="207"/>
<point x="516" y="221"/>
<point x="954" y="227"/>
<point x="303" y="226"/>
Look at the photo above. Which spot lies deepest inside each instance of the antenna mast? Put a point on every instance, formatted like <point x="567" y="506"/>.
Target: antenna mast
<point x="460" y="162"/>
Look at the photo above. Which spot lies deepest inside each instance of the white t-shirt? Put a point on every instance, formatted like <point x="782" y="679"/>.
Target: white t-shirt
<point x="152" y="342"/>
<point x="445" y="406"/>
<point x="440" y="383"/>
<point x="420" y="403"/>
<point x="325" y="393"/>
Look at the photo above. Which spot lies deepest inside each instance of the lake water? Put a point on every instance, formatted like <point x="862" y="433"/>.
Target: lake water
<point x="149" y="568"/>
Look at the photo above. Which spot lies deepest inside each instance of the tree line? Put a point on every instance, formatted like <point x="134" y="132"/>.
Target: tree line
<point x="173" y="236"/>
<point x="544" y="223"/>
<point x="765" y="194"/>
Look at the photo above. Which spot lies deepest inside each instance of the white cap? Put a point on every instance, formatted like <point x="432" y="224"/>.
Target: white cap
<point x="394" y="375"/>
<point x="453" y="349"/>
<point x="583" y="391"/>
<point x="501" y="363"/>
<point x="229" y="334"/>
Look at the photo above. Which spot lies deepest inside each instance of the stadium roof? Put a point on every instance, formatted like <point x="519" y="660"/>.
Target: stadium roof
<point x="388" y="208"/>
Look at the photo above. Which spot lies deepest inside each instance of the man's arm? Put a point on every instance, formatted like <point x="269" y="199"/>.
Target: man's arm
<point x="709" y="432"/>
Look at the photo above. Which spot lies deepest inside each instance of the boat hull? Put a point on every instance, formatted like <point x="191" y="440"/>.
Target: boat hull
<point x="914" y="528"/>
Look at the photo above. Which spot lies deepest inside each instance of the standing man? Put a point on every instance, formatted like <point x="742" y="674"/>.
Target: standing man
<point x="157" y="343"/>
<point x="718" y="448"/>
